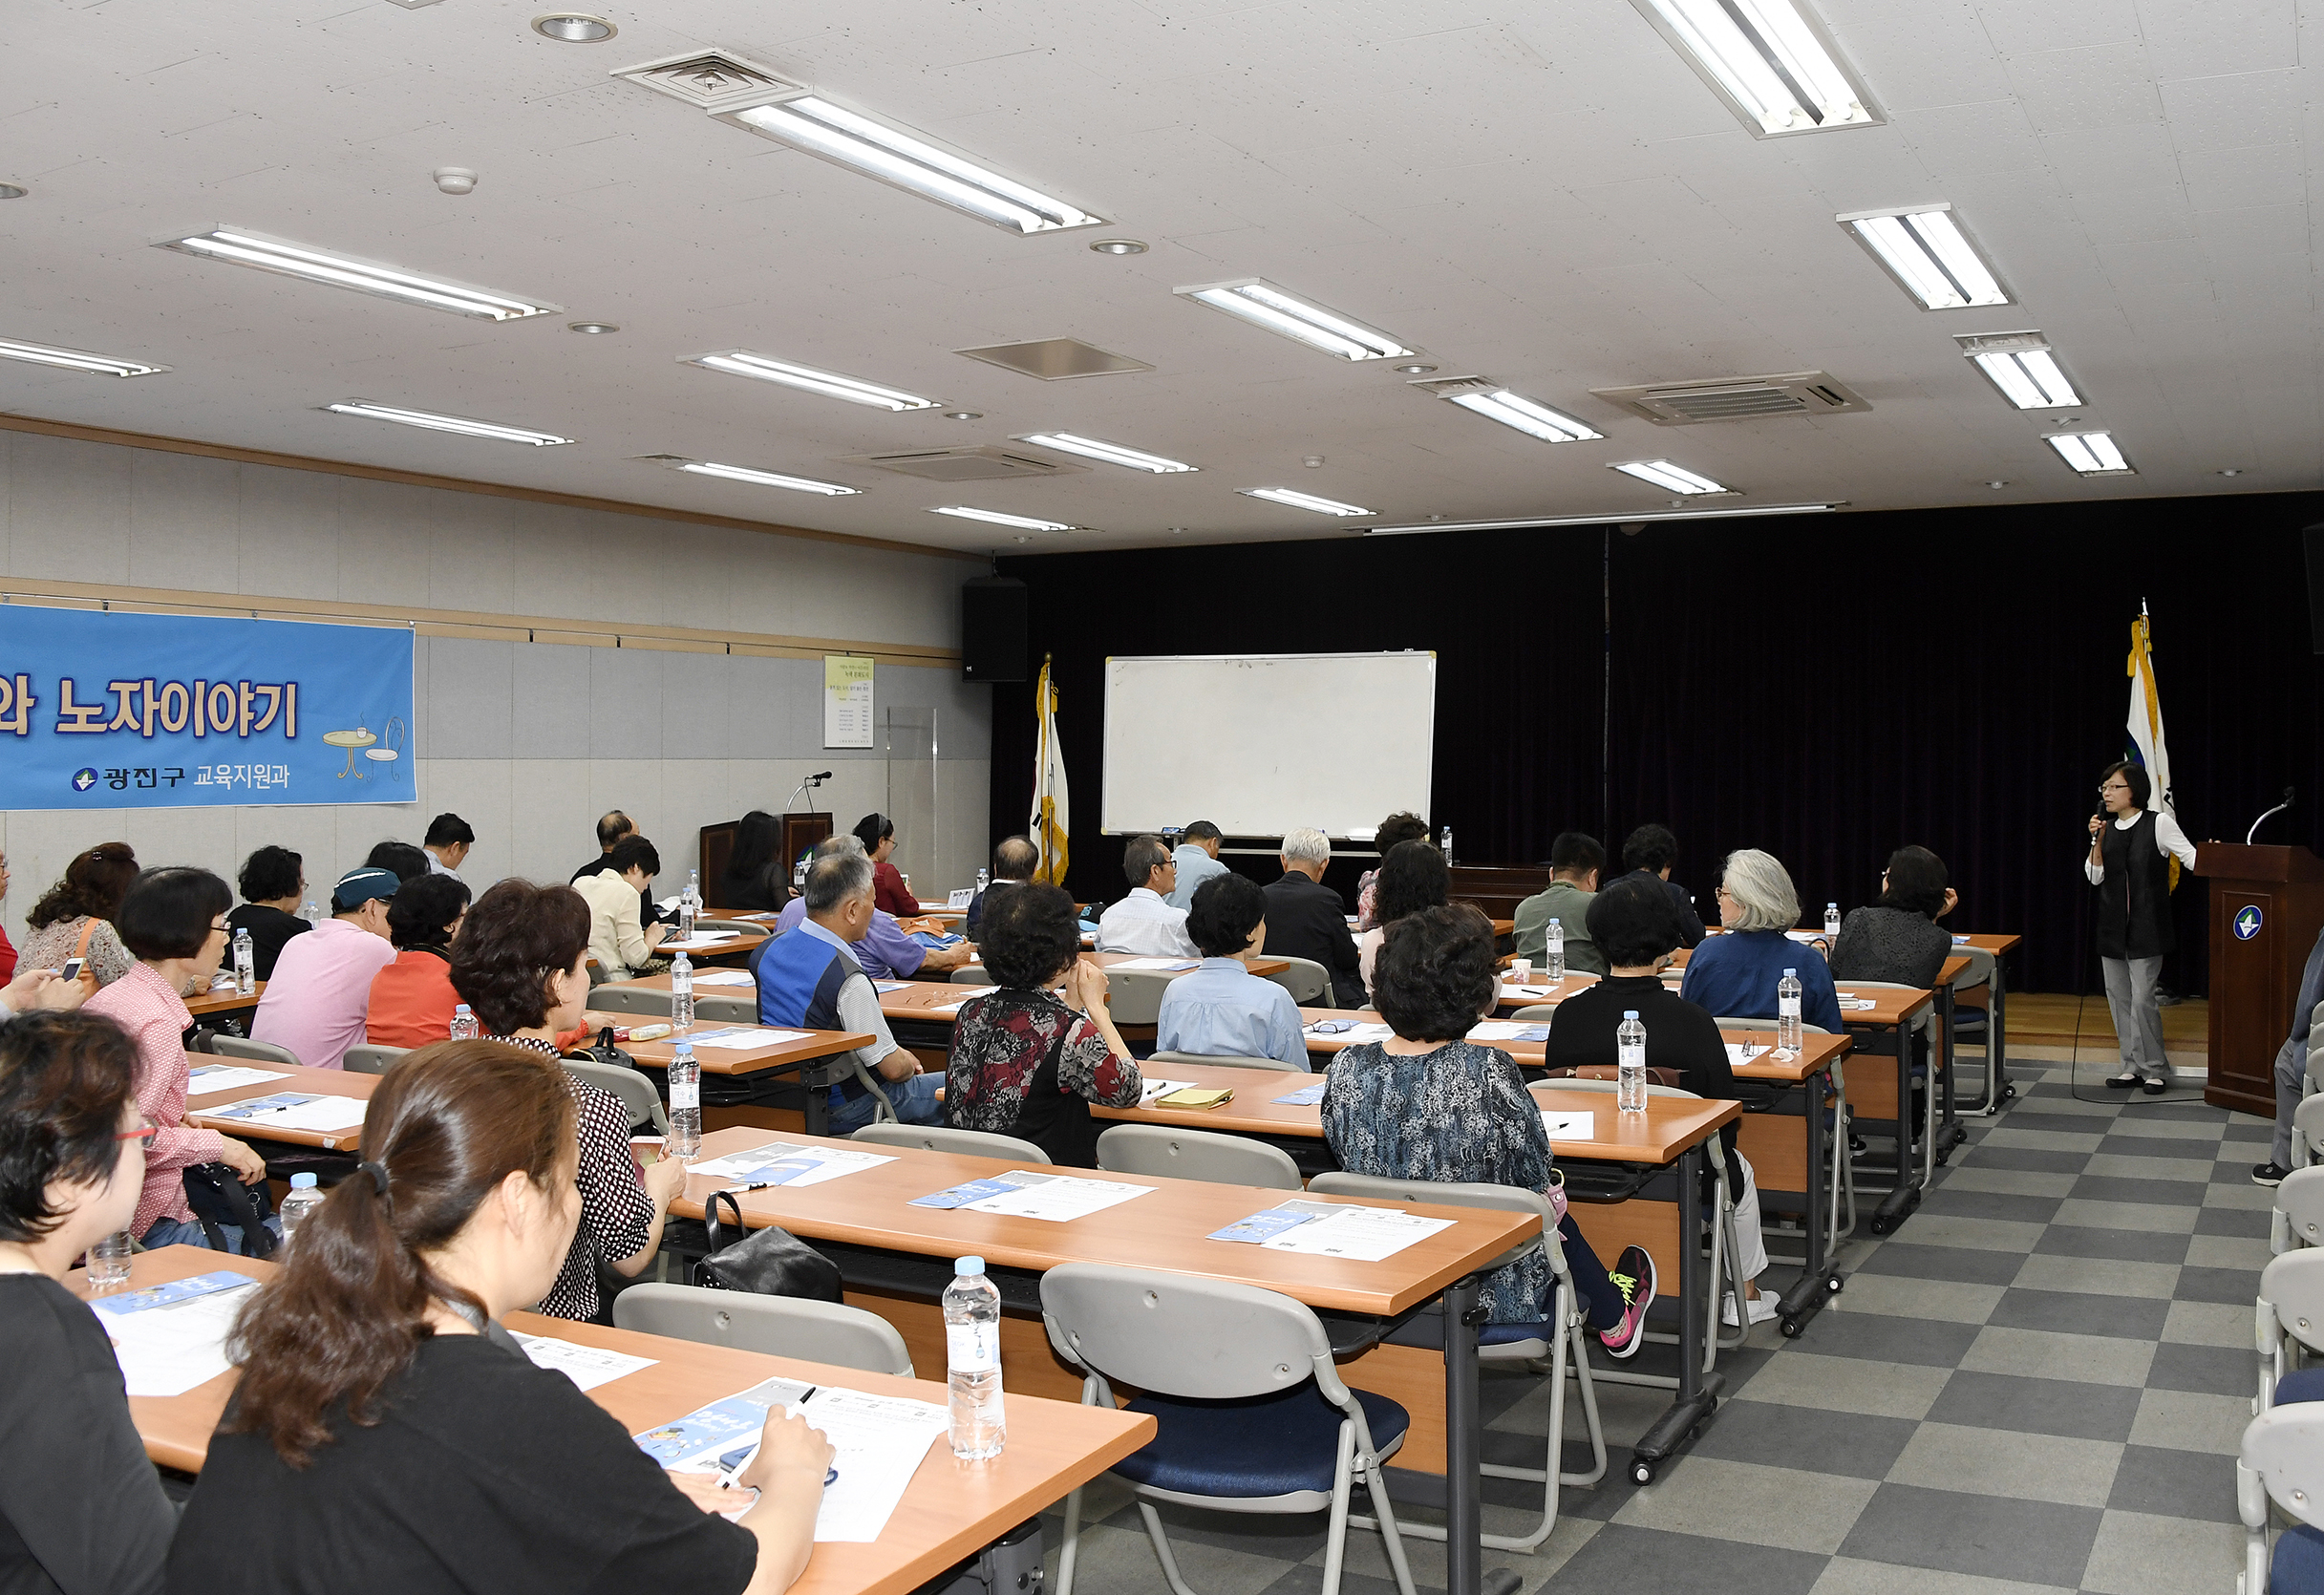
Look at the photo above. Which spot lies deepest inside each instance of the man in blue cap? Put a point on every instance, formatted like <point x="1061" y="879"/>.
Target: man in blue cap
<point x="315" y="1003"/>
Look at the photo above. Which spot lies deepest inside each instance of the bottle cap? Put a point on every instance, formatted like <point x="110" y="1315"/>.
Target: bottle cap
<point x="1558" y="923"/>
<point x="1791" y="974"/>
<point x="1630" y="1013"/>
<point x="969" y="1265"/>
<point x="686" y="1049"/>
<point x="302" y="1181"/>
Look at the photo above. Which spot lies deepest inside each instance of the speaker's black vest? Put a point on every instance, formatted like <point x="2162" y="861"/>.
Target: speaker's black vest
<point x="2134" y="900"/>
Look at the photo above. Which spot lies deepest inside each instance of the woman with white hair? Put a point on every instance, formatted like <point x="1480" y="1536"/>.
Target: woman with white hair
<point x="1736" y="974"/>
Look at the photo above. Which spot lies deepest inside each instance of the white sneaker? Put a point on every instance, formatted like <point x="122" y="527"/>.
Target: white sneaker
<point x="1763" y="1310"/>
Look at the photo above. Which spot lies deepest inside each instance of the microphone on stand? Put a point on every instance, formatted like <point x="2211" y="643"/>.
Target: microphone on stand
<point x="2269" y="815"/>
<point x="811" y="780"/>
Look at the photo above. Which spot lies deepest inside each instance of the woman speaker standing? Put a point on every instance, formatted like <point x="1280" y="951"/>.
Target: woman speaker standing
<point x="2129" y="863"/>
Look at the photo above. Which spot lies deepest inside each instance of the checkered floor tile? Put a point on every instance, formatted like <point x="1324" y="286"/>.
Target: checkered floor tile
<point x="2036" y="1384"/>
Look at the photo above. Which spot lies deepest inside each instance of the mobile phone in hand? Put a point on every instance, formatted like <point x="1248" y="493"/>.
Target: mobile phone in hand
<point x="71" y="969"/>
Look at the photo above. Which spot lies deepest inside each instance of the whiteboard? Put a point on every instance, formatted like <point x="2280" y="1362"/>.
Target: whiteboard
<point x="1261" y="744"/>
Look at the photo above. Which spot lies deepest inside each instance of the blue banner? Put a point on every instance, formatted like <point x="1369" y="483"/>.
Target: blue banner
<point x="102" y="710"/>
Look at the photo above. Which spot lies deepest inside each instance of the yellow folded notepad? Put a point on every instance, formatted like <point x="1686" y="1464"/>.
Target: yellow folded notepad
<point x="1195" y="1097"/>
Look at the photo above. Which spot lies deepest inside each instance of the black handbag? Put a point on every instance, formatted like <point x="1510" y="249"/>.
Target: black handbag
<point x="604" y="1050"/>
<point x="221" y="1202"/>
<point x="769" y="1262"/>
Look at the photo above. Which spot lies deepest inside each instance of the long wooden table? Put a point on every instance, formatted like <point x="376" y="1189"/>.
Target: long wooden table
<point x="793" y="1057"/>
<point x="319" y="1082"/>
<point x="951" y="1510"/>
<point x="219" y="1003"/>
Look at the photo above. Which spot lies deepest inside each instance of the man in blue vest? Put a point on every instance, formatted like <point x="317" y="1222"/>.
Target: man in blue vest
<point x="809" y="979"/>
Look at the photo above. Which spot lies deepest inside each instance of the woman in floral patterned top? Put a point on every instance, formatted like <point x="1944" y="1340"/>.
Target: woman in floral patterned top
<point x="1429" y="1104"/>
<point x="1025" y="1063"/>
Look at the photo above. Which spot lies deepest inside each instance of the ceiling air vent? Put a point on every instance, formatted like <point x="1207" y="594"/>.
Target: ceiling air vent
<point x="709" y="79"/>
<point x="1054" y="359"/>
<point x="985" y="464"/>
<point x="1736" y="399"/>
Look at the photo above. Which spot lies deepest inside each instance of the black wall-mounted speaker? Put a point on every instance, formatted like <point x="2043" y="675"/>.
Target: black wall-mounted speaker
<point x="994" y="611"/>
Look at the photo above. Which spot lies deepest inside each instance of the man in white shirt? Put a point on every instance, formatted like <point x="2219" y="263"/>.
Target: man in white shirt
<point x="1142" y="922"/>
<point x="447" y="842"/>
<point x="1196" y="860"/>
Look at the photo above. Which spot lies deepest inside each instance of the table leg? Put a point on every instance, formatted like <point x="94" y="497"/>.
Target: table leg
<point x="1997" y="1087"/>
<point x="1699" y="1392"/>
<point x="818" y="1102"/>
<point x="1950" y="1133"/>
<point x="1817" y="1280"/>
<point x="1464" y="1452"/>
<point x="1898" y="1205"/>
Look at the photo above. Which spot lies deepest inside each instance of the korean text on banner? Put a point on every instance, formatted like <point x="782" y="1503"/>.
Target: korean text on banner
<point x="102" y="710"/>
<point x="846" y="701"/>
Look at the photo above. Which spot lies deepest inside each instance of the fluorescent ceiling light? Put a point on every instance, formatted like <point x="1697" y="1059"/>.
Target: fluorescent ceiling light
<point x="1611" y="518"/>
<point x="75" y="359"/>
<point x="742" y="362"/>
<point x="1926" y="252"/>
<point x="1023" y="522"/>
<point x="1113" y="453"/>
<point x="1677" y="477"/>
<point x="808" y="121"/>
<point x="2092" y="454"/>
<point x="1535" y="420"/>
<point x="1769" y="59"/>
<point x="2022" y="365"/>
<point x="768" y="479"/>
<point x="1304" y="500"/>
<point x="1264" y="305"/>
<point x="465" y="426"/>
<point x="318" y="266"/>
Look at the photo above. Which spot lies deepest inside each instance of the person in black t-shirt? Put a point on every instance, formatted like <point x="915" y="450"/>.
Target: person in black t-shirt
<point x="392" y="1438"/>
<point x="273" y="882"/>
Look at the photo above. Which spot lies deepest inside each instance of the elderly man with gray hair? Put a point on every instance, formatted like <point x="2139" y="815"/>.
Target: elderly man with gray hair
<point x="884" y="948"/>
<point x="1736" y="974"/>
<point x="1307" y="919"/>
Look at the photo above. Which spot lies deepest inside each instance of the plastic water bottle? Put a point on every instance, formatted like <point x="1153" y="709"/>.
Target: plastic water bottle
<point x="1630" y="1058"/>
<point x="1555" y="956"/>
<point x="312" y="912"/>
<point x="1445" y="846"/>
<point x="684" y="1138"/>
<point x="977" y="1422"/>
<point x="690" y="905"/>
<point x="798" y="874"/>
<point x="303" y="1200"/>
<point x="1787" y="1015"/>
<point x="1831" y="918"/>
<point x="464" y="1026"/>
<point x="681" y="993"/>
<point x="984" y="879"/>
<point x="246" y="963"/>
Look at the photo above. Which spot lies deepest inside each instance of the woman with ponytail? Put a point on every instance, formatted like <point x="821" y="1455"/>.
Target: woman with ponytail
<point x="389" y="1435"/>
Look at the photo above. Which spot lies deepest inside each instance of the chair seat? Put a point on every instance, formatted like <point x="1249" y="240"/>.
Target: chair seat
<point x="1504" y="1335"/>
<point x="2306" y="1385"/>
<point x="1269" y="1445"/>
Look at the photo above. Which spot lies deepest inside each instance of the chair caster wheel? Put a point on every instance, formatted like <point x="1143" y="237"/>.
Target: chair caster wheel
<point x="1881" y="1226"/>
<point x="1835" y="1285"/>
<point x="1642" y="1472"/>
<point x="1791" y="1327"/>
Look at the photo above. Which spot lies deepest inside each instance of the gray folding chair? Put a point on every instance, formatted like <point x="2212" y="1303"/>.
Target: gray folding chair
<point x="780" y="1325"/>
<point x="940" y="1137"/>
<point x="1228" y="1060"/>
<point x="973" y="974"/>
<point x="1196" y="1155"/>
<point x="1184" y="1340"/>
<point x="2299" y="1211"/>
<point x="635" y="1090"/>
<point x="1134" y="996"/>
<point x="2307" y="1128"/>
<point x="2290" y="1317"/>
<point x="726" y="1005"/>
<point x="253" y="1052"/>
<point x="1923" y="1027"/>
<point x="1978" y="1022"/>
<point x="1562" y="1349"/>
<point x="2281" y="1462"/>
<point x="630" y="999"/>
<point x="1539" y="1014"/>
<point x="1305" y="979"/>
<point x="372" y="1060"/>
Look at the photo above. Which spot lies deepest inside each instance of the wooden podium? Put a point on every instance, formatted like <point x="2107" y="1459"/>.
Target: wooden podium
<point x="2267" y="906"/>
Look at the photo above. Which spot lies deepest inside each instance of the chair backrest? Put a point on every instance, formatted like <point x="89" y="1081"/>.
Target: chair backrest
<point x="1196" y="1155"/>
<point x="1303" y="978"/>
<point x="971" y="974"/>
<point x="780" y="1325"/>
<point x="1134" y="996"/>
<point x="1182" y="1335"/>
<point x="372" y="1060"/>
<point x="2285" y="1446"/>
<point x="1227" y="1060"/>
<point x="635" y="1090"/>
<point x="253" y="1052"/>
<point x="2308" y="1119"/>
<point x="726" y="1005"/>
<point x="1544" y="1012"/>
<point x="1761" y="1022"/>
<point x="940" y="1137"/>
<point x="1501" y="1199"/>
<point x="2300" y="1199"/>
<point x="2293" y="1285"/>
<point x="1609" y="1086"/>
<point x="1980" y="971"/>
<point x="630" y="999"/>
<point x="1921" y="1021"/>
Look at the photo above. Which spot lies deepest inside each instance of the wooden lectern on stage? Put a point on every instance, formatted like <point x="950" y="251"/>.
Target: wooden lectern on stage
<point x="800" y="833"/>
<point x="2267" y="906"/>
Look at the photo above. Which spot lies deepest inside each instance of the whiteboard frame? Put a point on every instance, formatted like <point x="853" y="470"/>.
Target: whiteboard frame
<point x="1427" y="654"/>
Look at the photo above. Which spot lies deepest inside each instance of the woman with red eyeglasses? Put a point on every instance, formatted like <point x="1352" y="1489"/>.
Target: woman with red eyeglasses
<point x="81" y="1509"/>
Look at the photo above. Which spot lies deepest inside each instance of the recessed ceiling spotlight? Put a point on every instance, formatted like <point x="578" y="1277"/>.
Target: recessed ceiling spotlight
<point x="1770" y="60"/>
<point x="999" y="519"/>
<point x="1118" y="246"/>
<point x="1924" y="248"/>
<point x="235" y="245"/>
<point x="574" y="28"/>
<point x="456" y="180"/>
<point x="75" y="359"/>
<point x="1419" y="368"/>
<point x="13" y="191"/>
<point x="768" y="479"/>
<point x="964" y="414"/>
<point x="1111" y="454"/>
<point x="1264" y="305"/>
<point x="1996" y="484"/>
<point x="1313" y="462"/>
<point x="2023" y="365"/>
<point x="2232" y="471"/>
<point x="2091" y="453"/>
<point x="465" y="426"/>
<point x="595" y="329"/>
<point x="1677" y="479"/>
<point x="742" y="362"/>
<point x="1304" y="501"/>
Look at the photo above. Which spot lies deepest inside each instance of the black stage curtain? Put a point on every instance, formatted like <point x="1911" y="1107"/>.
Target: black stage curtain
<point x="1828" y="687"/>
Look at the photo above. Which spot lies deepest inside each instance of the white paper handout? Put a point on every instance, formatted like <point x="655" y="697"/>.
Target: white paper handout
<point x="1743" y="1051"/>
<point x="167" y="1350"/>
<point x="743" y="1038"/>
<point x="954" y="1007"/>
<point x="1358" y="1234"/>
<point x="211" y="1078"/>
<point x="789" y="1163"/>
<point x="1154" y="964"/>
<point x="1495" y="1030"/>
<point x="1569" y="1127"/>
<point x="587" y="1366"/>
<point x="878" y="1443"/>
<point x="724" y="977"/>
<point x="1056" y="1198"/>
<point x="1149" y="1088"/>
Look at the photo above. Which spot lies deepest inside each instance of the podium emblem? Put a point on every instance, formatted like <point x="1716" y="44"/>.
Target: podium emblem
<point x="2248" y="922"/>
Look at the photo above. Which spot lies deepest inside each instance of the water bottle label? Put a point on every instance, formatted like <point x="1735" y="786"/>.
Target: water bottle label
<point x="685" y="1096"/>
<point x="1787" y="1008"/>
<point x="972" y="1348"/>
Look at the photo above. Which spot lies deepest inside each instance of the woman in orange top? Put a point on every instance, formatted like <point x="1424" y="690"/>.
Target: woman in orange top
<point x="411" y="999"/>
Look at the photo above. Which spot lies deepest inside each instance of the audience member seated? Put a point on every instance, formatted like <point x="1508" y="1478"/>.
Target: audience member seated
<point x="1142" y="922"/>
<point x="1013" y="862"/>
<point x="174" y="919"/>
<point x="83" y="1510"/>
<point x="7" y="948"/>
<point x="1196" y="860"/>
<point x="1574" y="862"/>
<point x="746" y="886"/>
<point x="889" y="894"/>
<point x="1430" y="1104"/>
<point x="1026" y="1062"/>
<point x="411" y="999"/>
<point x="1898" y="939"/>
<point x="40" y="991"/>
<point x="1411" y="877"/>
<point x="887" y="950"/>
<point x="2291" y="1072"/>
<point x="74" y="917"/>
<point x="1219" y="1007"/>
<point x="520" y="963"/>
<point x="1632" y="924"/>
<point x="447" y="842"/>
<point x="406" y="862"/>
<point x="610" y="829"/>
<point x="621" y="944"/>
<point x="321" y="985"/>
<point x="388" y="1434"/>
<point x="810" y="980"/>
<point x="1398" y="827"/>
<point x="273" y="882"/>
<point x="1735" y="975"/>
<point x="1306" y="918"/>
<point x="1652" y="850"/>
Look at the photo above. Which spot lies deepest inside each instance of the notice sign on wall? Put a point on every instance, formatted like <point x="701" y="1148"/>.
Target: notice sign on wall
<point x="846" y="701"/>
<point x="102" y="710"/>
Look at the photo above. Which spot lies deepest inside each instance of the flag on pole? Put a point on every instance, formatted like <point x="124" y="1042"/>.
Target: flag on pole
<point x="1049" y="821"/>
<point x="2146" y="746"/>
